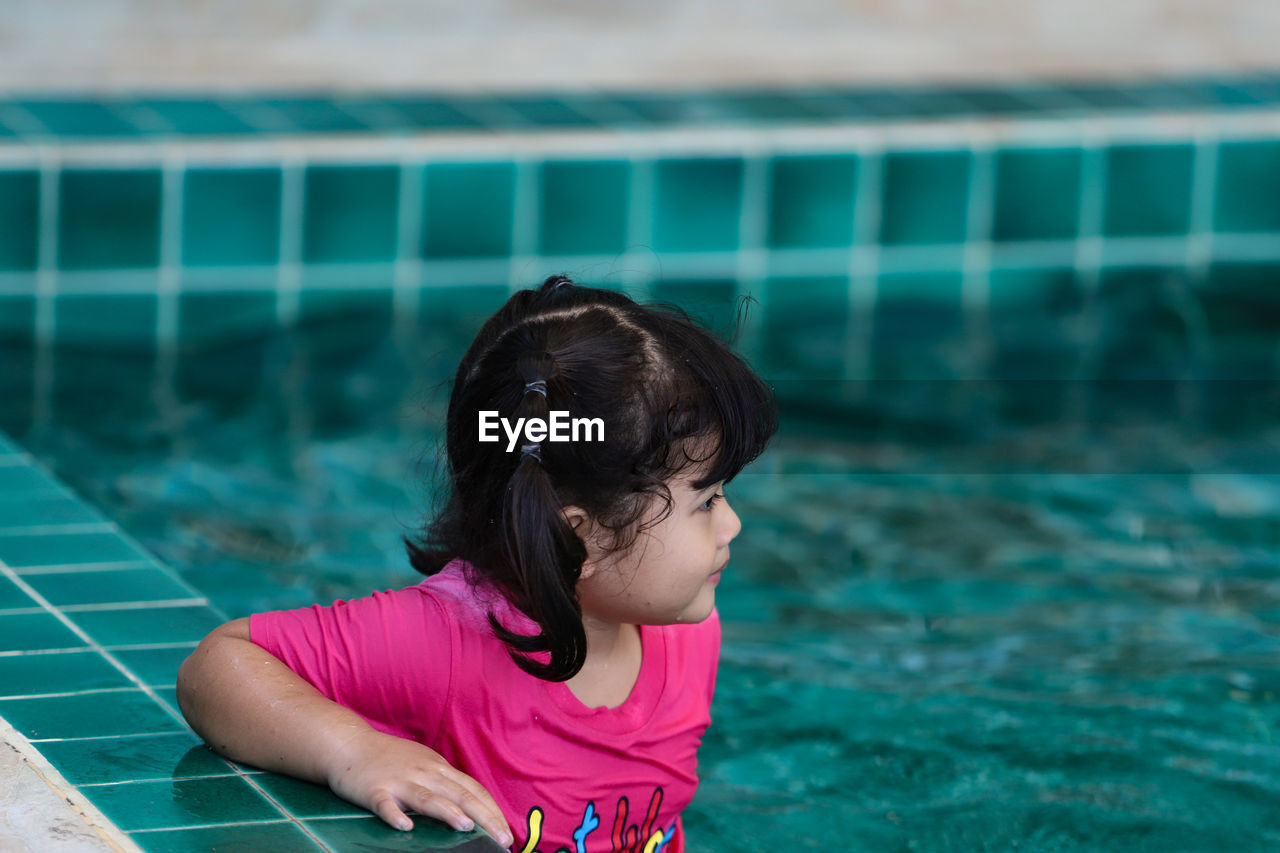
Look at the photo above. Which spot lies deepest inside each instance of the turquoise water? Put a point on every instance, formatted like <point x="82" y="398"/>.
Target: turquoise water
<point x="948" y="631"/>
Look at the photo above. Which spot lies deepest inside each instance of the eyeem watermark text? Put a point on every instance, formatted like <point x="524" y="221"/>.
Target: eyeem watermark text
<point x="558" y="427"/>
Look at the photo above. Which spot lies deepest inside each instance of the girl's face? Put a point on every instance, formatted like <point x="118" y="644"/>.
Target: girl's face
<point x="669" y="574"/>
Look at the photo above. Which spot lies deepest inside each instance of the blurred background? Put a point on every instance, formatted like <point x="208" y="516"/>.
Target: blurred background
<point x="1010" y="573"/>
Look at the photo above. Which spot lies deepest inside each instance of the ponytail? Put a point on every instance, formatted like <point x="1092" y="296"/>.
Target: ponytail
<point x="543" y="551"/>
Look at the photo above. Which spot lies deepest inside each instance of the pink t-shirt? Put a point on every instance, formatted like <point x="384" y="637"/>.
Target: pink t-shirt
<point x="422" y="663"/>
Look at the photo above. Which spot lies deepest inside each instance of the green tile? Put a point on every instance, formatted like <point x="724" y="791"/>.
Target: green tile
<point x="135" y="759"/>
<point x="251" y="838"/>
<point x="166" y="804"/>
<point x="18" y="483"/>
<point x="1030" y="314"/>
<point x="110" y="321"/>
<point x="147" y="625"/>
<point x="231" y="217"/>
<point x="1037" y="194"/>
<point x="196" y="116"/>
<point x="811" y="201"/>
<point x="11" y="597"/>
<point x="926" y="197"/>
<point x="63" y="672"/>
<point x="351" y="214"/>
<point x="583" y="207"/>
<point x="697" y="205"/>
<point x="468" y="210"/>
<point x="28" y="508"/>
<point x="1140" y="334"/>
<point x="713" y="303"/>
<point x="35" y="631"/>
<point x="805" y="326"/>
<point x="19" y="219"/>
<point x="109" y="219"/>
<point x="1241" y="307"/>
<point x="26" y="550"/>
<point x="17" y="387"/>
<point x="1148" y="190"/>
<point x="208" y="318"/>
<point x="303" y="799"/>
<point x="1248" y="191"/>
<point x="448" y="320"/>
<point x="315" y="114"/>
<point x="156" y="667"/>
<point x="428" y="836"/>
<point x="80" y="118"/>
<point x="107" y="587"/>
<point x="88" y="715"/>
<point x="18" y="318"/>
<point x="918" y="317"/>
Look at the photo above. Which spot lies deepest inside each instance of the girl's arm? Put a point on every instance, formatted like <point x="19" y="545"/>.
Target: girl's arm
<point x="252" y="708"/>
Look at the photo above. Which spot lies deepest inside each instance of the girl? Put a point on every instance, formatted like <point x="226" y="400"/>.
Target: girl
<point x="551" y="679"/>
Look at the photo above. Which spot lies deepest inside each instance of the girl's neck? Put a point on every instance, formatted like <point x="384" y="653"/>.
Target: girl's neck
<point x="614" y="655"/>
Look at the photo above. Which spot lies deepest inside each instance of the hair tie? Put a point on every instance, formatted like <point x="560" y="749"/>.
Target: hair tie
<point x="539" y="385"/>
<point x="534" y="450"/>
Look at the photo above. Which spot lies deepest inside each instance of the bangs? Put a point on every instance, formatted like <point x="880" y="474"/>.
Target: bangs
<point x="721" y="416"/>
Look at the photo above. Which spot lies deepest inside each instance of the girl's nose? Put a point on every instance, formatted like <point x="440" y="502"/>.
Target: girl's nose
<point x="731" y="526"/>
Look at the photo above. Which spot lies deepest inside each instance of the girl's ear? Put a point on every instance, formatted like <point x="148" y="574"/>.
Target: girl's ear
<point x="577" y="518"/>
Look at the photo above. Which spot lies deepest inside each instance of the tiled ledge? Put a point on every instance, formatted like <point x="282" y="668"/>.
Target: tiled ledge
<point x="96" y="117"/>
<point x="92" y="630"/>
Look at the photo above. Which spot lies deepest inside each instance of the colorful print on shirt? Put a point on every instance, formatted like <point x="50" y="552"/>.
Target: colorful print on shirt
<point x="626" y="838"/>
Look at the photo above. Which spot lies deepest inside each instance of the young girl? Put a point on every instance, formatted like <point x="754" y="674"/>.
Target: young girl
<point x="551" y="679"/>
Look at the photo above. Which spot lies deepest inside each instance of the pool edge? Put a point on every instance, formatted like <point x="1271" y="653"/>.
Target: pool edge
<point x="45" y="812"/>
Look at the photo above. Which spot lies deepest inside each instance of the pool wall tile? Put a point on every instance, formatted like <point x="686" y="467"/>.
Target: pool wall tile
<point x="926" y="197"/>
<point x="350" y="214"/>
<point x="583" y="207"/>
<point x="109" y="320"/>
<point x="811" y="201"/>
<point x="697" y="204"/>
<point x="1148" y="190"/>
<point x="805" y="326"/>
<point x="231" y="217"/>
<point x="1248" y="197"/>
<point x="1037" y="194"/>
<point x="19" y="215"/>
<point x="109" y="218"/>
<point x="480" y="228"/>
<point x="17" y="318"/>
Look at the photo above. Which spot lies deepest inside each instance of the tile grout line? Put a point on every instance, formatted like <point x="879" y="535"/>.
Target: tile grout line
<point x="921" y="134"/>
<point x="751" y="265"/>
<point x="1245" y="247"/>
<point x="46" y="286"/>
<point x="149" y="691"/>
<point x="863" y="270"/>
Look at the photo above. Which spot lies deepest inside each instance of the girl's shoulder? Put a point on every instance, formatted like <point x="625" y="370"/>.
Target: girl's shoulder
<point x="469" y="598"/>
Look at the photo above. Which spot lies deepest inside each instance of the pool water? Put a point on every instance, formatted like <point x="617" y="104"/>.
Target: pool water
<point x="956" y="633"/>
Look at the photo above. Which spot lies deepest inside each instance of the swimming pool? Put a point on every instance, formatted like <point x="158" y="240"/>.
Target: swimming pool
<point x="1007" y="578"/>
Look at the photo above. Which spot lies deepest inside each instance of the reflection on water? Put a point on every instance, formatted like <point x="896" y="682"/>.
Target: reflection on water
<point x="939" y="635"/>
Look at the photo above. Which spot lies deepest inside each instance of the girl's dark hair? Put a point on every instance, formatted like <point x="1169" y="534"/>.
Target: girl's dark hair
<point x="672" y="397"/>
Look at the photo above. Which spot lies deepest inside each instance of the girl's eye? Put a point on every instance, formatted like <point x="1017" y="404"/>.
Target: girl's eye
<point x="710" y="502"/>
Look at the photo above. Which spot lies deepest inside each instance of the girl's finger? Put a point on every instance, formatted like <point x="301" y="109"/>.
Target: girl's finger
<point x="385" y="806"/>
<point x="480" y="804"/>
<point x="487" y="815"/>
<point x="439" y="806"/>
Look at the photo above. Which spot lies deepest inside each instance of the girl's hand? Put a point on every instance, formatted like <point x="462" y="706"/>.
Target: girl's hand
<point x="390" y="775"/>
